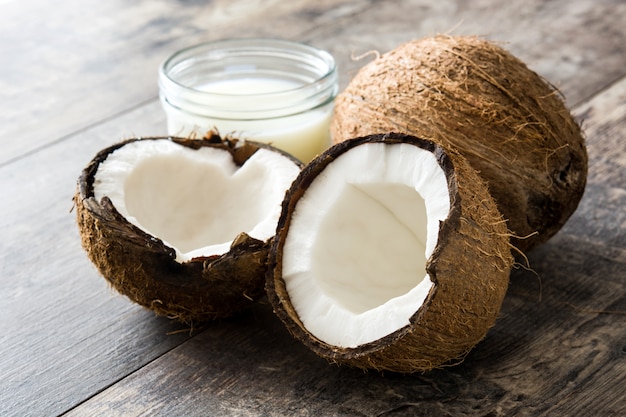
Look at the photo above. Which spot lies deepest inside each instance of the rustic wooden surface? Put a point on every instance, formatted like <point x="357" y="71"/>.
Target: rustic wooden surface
<point x="78" y="76"/>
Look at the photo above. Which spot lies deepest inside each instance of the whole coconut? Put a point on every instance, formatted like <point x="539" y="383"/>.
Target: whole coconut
<point x="472" y="95"/>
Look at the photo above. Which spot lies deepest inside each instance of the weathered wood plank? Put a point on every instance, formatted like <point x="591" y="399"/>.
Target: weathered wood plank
<point x="66" y="68"/>
<point x="578" y="46"/>
<point x="64" y="334"/>
<point x="558" y="348"/>
<point x="542" y="357"/>
<point x="55" y="83"/>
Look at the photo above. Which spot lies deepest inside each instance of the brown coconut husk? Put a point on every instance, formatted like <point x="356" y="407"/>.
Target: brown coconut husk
<point x="472" y="95"/>
<point x="470" y="269"/>
<point x="144" y="269"/>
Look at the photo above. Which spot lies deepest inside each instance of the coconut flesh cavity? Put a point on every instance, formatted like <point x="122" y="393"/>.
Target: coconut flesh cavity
<point x="195" y="200"/>
<point x="181" y="226"/>
<point x="377" y="210"/>
<point x="474" y="96"/>
<point x="389" y="254"/>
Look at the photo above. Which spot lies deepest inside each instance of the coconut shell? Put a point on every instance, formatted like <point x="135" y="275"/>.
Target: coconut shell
<point x="469" y="267"/>
<point x="472" y="95"/>
<point x="144" y="269"/>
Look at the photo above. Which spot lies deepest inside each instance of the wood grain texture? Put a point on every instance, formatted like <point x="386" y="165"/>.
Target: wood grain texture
<point x="559" y="41"/>
<point x="82" y="75"/>
<point x="67" y="68"/>
<point x="547" y="356"/>
<point x="64" y="334"/>
<point x="71" y="67"/>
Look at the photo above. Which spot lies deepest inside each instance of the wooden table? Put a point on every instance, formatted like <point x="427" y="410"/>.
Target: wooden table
<point x="76" y="77"/>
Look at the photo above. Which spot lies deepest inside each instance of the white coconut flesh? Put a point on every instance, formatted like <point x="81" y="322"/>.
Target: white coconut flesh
<point x="354" y="258"/>
<point x="196" y="201"/>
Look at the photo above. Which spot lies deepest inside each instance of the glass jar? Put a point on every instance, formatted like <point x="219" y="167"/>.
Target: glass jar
<point x="267" y="90"/>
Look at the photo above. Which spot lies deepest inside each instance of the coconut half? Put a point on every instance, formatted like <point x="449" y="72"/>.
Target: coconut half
<point x="474" y="96"/>
<point x="182" y="226"/>
<point x="389" y="254"/>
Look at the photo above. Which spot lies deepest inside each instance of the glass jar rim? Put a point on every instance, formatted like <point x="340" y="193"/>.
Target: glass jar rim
<point x="240" y="46"/>
<point x="313" y="70"/>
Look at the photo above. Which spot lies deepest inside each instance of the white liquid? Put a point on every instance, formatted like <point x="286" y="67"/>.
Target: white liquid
<point x="249" y="86"/>
<point x="303" y="135"/>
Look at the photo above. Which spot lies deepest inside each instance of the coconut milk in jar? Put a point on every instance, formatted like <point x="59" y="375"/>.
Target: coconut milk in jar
<point x="267" y="90"/>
